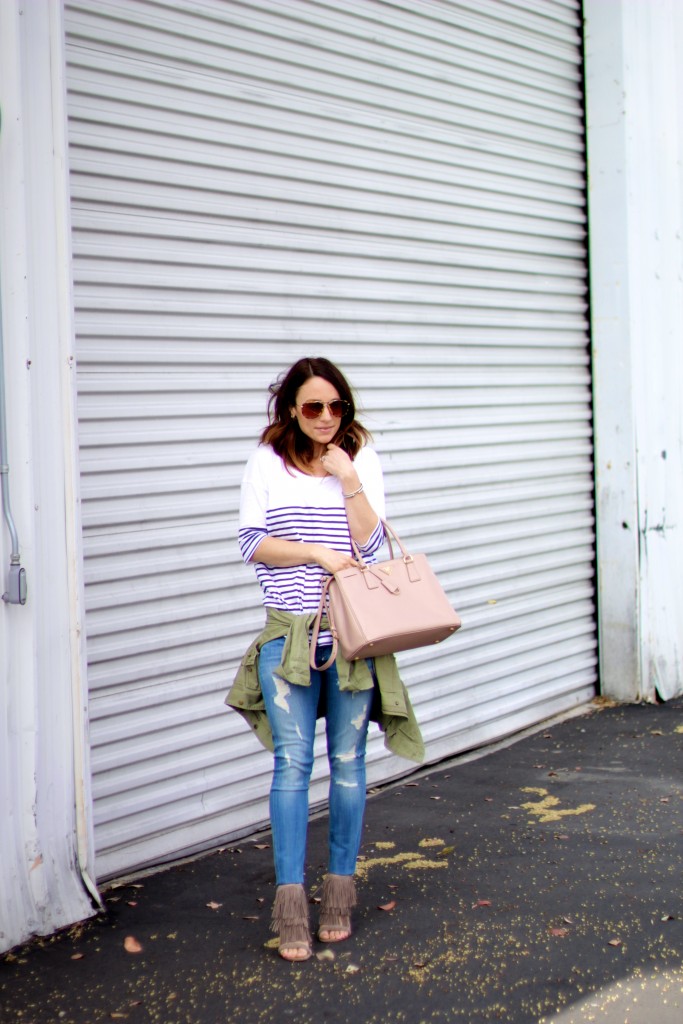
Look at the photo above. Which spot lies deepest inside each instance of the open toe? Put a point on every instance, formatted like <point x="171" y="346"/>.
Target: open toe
<point x="338" y="899"/>
<point x="290" y="923"/>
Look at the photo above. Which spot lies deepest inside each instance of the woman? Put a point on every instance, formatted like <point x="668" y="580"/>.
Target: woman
<point x="311" y="486"/>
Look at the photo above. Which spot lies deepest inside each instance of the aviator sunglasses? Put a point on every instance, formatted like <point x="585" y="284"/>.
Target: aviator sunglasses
<point x="313" y="410"/>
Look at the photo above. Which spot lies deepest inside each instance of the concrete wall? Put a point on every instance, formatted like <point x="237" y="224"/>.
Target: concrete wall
<point x="43" y="767"/>
<point x="634" y="94"/>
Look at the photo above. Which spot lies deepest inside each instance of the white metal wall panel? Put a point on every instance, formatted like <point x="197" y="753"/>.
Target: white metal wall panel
<point x="398" y="186"/>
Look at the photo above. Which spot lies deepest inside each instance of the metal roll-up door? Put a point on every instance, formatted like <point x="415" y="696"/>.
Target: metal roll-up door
<point x="398" y="186"/>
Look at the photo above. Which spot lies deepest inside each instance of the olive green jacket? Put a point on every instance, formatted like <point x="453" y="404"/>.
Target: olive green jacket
<point x="392" y="710"/>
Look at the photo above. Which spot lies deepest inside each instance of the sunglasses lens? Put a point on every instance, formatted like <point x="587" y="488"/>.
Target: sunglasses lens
<point x="312" y="410"/>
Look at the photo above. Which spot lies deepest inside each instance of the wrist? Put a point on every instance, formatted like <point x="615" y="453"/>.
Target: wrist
<point x="315" y="553"/>
<point x="350" y="482"/>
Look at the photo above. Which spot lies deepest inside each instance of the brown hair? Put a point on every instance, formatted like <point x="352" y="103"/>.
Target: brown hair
<point x="283" y="433"/>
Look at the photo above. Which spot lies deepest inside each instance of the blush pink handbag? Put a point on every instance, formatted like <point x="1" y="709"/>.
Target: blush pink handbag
<point x="385" y="607"/>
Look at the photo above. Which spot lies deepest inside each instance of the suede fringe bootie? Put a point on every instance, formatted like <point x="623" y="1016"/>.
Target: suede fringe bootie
<point x="338" y="900"/>
<point x="290" y="922"/>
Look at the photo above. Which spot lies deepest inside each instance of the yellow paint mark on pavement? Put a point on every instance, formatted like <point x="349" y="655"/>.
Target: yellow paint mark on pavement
<point x="432" y="842"/>
<point x="545" y="808"/>
<point x="385" y="846"/>
<point x="408" y="860"/>
<point x="424" y="863"/>
<point x="364" y="866"/>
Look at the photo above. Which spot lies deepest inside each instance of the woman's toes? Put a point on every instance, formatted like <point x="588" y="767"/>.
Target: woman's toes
<point x="295" y="954"/>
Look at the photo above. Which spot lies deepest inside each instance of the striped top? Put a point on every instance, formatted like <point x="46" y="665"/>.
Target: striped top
<point x="285" y="503"/>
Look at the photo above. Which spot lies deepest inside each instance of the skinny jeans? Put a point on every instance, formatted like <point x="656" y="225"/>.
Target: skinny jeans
<point x="292" y="713"/>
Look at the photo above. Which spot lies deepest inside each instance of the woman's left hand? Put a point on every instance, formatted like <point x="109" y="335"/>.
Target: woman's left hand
<point x="337" y="463"/>
<point x="361" y="517"/>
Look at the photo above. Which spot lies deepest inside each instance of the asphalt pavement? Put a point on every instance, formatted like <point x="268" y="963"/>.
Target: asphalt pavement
<point x="539" y="882"/>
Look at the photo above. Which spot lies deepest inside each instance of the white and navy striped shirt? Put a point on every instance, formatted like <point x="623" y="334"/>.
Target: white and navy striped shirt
<point x="282" y="502"/>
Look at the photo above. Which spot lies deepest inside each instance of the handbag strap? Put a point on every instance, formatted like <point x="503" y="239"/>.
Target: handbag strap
<point x="316" y="630"/>
<point x="390" y="532"/>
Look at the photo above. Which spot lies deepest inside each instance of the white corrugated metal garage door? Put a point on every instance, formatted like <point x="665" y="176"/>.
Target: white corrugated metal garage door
<point x="398" y="186"/>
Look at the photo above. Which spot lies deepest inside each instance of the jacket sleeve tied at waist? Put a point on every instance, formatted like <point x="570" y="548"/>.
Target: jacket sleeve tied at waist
<point x="393" y="711"/>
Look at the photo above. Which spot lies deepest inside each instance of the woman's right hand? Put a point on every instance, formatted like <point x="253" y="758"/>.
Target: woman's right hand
<point x="333" y="561"/>
<point x="274" y="551"/>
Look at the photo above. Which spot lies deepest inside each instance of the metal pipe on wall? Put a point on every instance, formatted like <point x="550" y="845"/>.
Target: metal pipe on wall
<point x="16" y="587"/>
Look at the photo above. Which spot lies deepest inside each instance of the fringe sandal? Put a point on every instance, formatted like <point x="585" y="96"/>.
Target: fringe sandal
<point x="290" y="922"/>
<point x="338" y="899"/>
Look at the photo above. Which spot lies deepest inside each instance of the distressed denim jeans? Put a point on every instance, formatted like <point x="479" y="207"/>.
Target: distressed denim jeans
<point x="292" y="711"/>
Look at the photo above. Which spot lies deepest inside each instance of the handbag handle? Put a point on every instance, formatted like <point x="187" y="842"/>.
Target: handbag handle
<point x="389" y="532"/>
<point x="316" y="630"/>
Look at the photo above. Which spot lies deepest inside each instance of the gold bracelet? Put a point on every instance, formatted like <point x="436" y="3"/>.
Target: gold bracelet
<point x="353" y="493"/>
